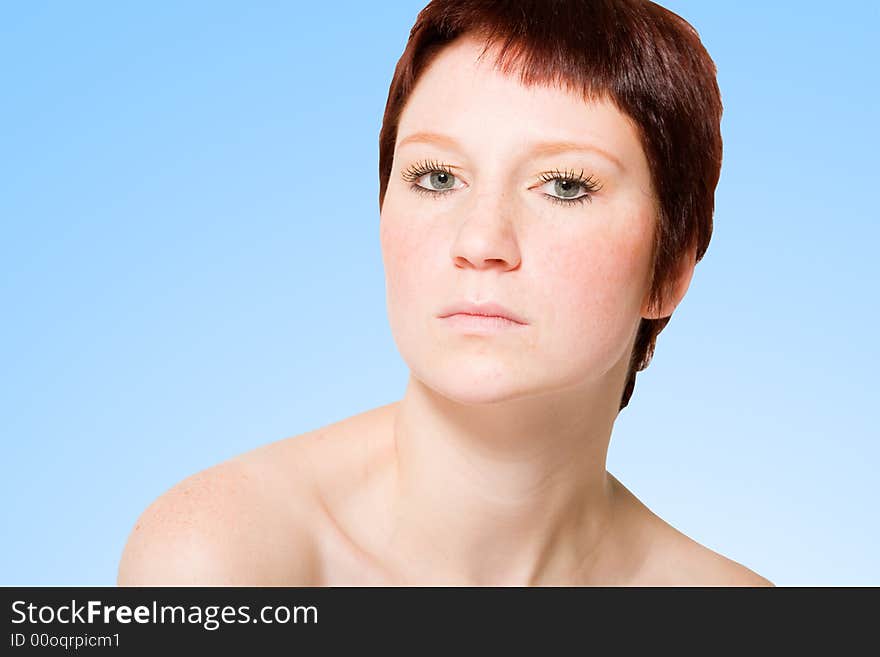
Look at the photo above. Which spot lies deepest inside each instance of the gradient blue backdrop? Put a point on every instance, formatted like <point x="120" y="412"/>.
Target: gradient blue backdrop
<point x="191" y="268"/>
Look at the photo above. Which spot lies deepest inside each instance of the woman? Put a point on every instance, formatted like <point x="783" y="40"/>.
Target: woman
<point x="547" y="173"/>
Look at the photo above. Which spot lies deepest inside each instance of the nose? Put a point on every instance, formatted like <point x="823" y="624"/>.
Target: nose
<point x="486" y="236"/>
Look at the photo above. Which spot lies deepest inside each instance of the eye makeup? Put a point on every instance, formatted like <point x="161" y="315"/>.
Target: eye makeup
<point x="565" y="181"/>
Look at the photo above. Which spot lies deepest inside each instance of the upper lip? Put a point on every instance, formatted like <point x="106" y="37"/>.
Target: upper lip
<point x="487" y="308"/>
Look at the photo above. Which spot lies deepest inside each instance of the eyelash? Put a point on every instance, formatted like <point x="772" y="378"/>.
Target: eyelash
<point x="588" y="184"/>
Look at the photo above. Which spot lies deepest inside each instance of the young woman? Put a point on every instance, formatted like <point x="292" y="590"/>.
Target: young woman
<point x="547" y="173"/>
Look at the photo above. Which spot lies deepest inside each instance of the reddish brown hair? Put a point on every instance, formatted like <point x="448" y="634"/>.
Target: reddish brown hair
<point x="645" y="59"/>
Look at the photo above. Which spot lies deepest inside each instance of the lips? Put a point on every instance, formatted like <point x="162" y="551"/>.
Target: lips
<point x="486" y="309"/>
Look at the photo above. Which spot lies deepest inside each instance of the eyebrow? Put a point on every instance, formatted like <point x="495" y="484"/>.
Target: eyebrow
<point x="536" y="148"/>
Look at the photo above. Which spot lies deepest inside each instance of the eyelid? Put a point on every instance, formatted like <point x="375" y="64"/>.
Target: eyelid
<point x="588" y="183"/>
<point x="419" y="169"/>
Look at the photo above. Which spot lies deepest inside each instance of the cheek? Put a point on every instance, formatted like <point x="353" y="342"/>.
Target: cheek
<point x="409" y="251"/>
<point x="594" y="285"/>
<point x="402" y="247"/>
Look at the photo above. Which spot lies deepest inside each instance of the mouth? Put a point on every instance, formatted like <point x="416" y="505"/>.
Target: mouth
<point x="480" y="324"/>
<point x="486" y="311"/>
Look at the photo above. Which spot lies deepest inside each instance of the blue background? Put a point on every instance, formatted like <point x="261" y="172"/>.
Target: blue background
<point x="190" y="268"/>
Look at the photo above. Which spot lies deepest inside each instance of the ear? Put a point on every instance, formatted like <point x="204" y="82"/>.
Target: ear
<point x="677" y="286"/>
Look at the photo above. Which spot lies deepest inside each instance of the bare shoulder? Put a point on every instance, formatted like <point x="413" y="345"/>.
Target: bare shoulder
<point x="254" y="520"/>
<point x="718" y="570"/>
<point x="682" y="561"/>
<point x="232" y="524"/>
<point x="668" y="557"/>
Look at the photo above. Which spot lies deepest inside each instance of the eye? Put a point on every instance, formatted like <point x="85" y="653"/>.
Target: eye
<point x="568" y="188"/>
<point x="430" y="178"/>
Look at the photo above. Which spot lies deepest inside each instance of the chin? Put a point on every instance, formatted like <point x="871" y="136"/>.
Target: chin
<point x="476" y="396"/>
<point x="469" y="383"/>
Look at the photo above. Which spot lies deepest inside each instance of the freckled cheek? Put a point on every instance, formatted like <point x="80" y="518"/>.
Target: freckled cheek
<point x="593" y="284"/>
<point x="403" y="258"/>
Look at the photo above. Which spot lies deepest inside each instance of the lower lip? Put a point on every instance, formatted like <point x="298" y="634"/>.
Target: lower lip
<point x="480" y="323"/>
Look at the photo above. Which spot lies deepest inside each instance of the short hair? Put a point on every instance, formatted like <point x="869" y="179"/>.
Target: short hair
<point x="645" y="59"/>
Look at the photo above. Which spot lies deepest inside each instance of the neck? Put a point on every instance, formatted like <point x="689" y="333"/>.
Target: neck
<point x="512" y="492"/>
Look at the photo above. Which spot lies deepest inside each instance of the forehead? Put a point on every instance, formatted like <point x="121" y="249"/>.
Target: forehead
<point x="463" y="95"/>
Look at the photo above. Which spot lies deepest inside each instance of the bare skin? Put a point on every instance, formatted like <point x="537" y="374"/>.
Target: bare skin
<point x="247" y="522"/>
<point x="491" y="468"/>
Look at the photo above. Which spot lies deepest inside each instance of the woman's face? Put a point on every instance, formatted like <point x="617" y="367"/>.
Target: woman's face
<point x="485" y="228"/>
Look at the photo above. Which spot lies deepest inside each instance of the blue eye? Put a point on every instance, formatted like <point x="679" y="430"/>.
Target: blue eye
<point x="568" y="181"/>
<point x="441" y="181"/>
<point x="441" y="178"/>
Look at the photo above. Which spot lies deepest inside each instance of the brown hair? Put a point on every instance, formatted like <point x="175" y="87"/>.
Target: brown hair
<point x="645" y="59"/>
